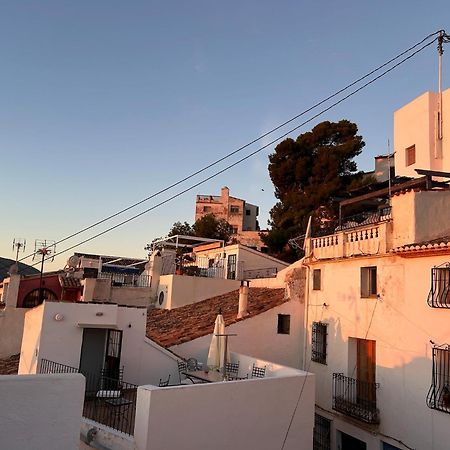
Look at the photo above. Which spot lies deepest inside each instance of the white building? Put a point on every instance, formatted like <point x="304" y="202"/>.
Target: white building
<point x="422" y="134"/>
<point x="377" y="326"/>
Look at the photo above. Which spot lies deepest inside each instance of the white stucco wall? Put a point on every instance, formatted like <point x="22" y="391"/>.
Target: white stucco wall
<point x="41" y="412"/>
<point x="184" y="290"/>
<point x="402" y="324"/>
<point x="258" y="337"/>
<point x="249" y="414"/>
<point x="11" y="330"/>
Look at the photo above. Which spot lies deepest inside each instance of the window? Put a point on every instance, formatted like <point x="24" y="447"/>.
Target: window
<point x="410" y="155"/>
<point x="284" y="323"/>
<point x="387" y="446"/>
<point x="322" y="433"/>
<point x="32" y="298"/>
<point x="235" y="230"/>
<point x="439" y="295"/>
<point x="368" y="281"/>
<point x="206" y="208"/>
<point x="439" y="394"/>
<point x="319" y="342"/>
<point x="234" y="209"/>
<point x="247" y="212"/>
<point x="317" y="280"/>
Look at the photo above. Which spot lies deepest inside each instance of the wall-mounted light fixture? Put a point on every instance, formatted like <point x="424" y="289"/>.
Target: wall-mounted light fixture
<point x="58" y="317"/>
<point x="99" y="314"/>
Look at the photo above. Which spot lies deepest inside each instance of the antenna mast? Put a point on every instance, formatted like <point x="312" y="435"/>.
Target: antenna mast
<point x="18" y="245"/>
<point x="45" y="248"/>
<point x="442" y="39"/>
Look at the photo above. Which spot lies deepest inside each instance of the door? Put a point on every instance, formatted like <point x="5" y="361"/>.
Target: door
<point x="93" y="356"/>
<point x="231" y="267"/>
<point x="365" y="370"/>
<point x="112" y="355"/>
<point x="348" y="442"/>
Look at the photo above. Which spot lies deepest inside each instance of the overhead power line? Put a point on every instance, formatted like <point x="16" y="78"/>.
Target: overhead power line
<point x="216" y="174"/>
<point x="188" y="177"/>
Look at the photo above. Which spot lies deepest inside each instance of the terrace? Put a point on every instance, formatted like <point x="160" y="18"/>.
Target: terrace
<point x="150" y="413"/>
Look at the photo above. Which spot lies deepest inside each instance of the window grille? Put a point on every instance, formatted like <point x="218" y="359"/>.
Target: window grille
<point x="439" y="296"/>
<point x="319" y="342"/>
<point x="439" y="394"/>
<point x="322" y="433"/>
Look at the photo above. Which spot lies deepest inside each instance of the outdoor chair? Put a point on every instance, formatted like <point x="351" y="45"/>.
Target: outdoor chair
<point x="164" y="383"/>
<point x="192" y="364"/>
<point x="231" y="370"/>
<point x="258" y="372"/>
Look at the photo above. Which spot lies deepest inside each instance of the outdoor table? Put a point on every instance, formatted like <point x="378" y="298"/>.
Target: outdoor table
<point x="208" y="377"/>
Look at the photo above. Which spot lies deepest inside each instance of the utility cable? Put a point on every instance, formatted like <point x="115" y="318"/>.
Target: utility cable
<point x="239" y="161"/>
<point x="188" y="177"/>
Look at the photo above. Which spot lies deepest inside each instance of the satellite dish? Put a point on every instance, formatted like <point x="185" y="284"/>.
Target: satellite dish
<point x="73" y="261"/>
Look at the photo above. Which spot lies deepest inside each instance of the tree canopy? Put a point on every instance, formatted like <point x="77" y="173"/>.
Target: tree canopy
<point x="307" y="174"/>
<point x="207" y="226"/>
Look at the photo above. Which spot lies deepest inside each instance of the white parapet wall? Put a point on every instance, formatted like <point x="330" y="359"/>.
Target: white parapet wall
<point x="238" y="415"/>
<point x="41" y="412"/>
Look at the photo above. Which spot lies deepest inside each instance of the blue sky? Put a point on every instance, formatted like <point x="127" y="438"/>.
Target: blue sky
<point x="105" y="102"/>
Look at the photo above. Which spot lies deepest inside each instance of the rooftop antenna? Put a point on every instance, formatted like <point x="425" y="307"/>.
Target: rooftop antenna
<point x="46" y="249"/>
<point x="18" y="245"/>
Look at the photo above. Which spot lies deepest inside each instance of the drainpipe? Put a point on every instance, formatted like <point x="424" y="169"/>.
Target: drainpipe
<point x="305" y="324"/>
<point x="243" y="299"/>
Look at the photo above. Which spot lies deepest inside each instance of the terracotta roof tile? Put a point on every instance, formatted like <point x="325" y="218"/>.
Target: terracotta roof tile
<point x="9" y="366"/>
<point x="433" y="244"/>
<point x="176" y="326"/>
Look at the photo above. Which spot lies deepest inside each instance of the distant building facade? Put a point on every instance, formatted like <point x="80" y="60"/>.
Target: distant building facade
<point x="242" y="216"/>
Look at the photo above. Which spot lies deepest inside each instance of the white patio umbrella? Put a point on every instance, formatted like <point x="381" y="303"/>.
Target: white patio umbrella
<point x="217" y="347"/>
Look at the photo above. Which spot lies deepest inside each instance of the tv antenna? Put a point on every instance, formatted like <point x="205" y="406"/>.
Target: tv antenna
<point x="18" y="246"/>
<point x="46" y="249"/>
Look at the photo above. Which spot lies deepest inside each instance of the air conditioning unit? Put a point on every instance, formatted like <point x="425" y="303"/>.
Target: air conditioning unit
<point x="161" y="297"/>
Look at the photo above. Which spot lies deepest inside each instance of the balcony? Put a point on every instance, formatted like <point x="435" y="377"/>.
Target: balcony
<point x="367" y="233"/>
<point x="129" y="280"/>
<point x="355" y="398"/>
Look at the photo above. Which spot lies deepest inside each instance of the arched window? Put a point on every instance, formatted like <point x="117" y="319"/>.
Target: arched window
<point x="32" y="298"/>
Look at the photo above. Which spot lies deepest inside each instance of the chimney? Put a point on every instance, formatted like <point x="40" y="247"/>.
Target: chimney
<point x="243" y="299"/>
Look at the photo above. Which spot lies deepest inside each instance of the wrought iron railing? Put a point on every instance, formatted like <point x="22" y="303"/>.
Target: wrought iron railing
<point x="439" y="295"/>
<point x="319" y="342"/>
<point x="322" y="433"/>
<point x="355" y="221"/>
<point x="121" y="279"/>
<point x="268" y="272"/>
<point x="439" y="393"/>
<point x="355" y="398"/>
<point x="107" y="400"/>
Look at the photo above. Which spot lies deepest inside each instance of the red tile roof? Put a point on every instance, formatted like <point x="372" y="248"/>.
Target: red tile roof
<point x="439" y="244"/>
<point x="9" y="366"/>
<point x="176" y="326"/>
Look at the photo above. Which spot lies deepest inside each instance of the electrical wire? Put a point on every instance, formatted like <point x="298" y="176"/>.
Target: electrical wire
<point x="251" y="142"/>
<point x="239" y="161"/>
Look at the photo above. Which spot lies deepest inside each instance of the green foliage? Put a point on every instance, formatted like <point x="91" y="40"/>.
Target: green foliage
<point x="210" y="227"/>
<point x="307" y="174"/>
<point x="181" y="228"/>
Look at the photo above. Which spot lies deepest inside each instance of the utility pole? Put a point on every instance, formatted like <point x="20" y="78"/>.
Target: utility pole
<point x="44" y="248"/>
<point x="443" y="38"/>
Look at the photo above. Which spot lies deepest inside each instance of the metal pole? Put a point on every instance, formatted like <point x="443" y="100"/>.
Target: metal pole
<point x="41" y="299"/>
<point x="440" y="53"/>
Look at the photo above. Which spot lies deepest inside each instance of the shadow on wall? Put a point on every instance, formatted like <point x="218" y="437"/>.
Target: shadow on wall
<point x="404" y="381"/>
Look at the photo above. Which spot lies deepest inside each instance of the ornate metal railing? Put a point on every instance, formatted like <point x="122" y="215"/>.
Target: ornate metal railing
<point x="269" y="272"/>
<point x="355" y="221"/>
<point x="121" y="279"/>
<point x="439" y="393"/>
<point x="355" y="398"/>
<point x="107" y="399"/>
<point x="439" y="295"/>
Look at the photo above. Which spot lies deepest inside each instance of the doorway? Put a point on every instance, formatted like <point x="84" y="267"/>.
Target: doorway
<point x="348" y="442"/>
<point x="100" y="356"/>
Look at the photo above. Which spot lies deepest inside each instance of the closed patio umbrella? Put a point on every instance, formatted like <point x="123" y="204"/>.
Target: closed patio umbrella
<point x="217" y="347"/>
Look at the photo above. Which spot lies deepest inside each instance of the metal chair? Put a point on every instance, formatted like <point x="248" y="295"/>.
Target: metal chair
<point x="192" y="364"/>
<point x="231" y="370"/>
<point x="182" y="367"/>
<point x="258" y="372"/>
<point x="164" y="383"/>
